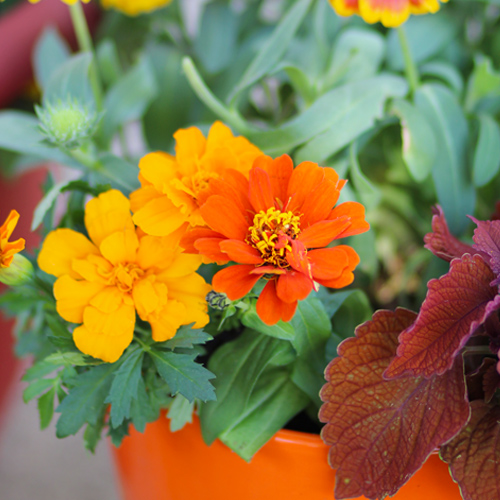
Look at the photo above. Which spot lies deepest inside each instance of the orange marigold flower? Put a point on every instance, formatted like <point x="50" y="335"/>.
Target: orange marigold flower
<point x="173" y="187"/>
<point x="390" y="13"/>
<point x="275" y="226"/>
<point x="9" y="248"/>
<point x="104" y="281"/>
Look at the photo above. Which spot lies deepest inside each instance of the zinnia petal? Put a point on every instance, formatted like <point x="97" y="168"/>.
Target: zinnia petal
<point x="239" y="251"/>
<point x="261" y="195"/>
<point x="279" y="170"/>
<point x="210" y="247"/>
<point x="328" y="263"/>
<point x="324" y="232"/>
<point x="356" y="213"/>
<point x="293" y="286"/>
<point x="223" y="216"/>
<point x="347" y="276"/>
<point x="271" y="308"/>
<point x="304" y="179"/>
<point x="235" y="281"/>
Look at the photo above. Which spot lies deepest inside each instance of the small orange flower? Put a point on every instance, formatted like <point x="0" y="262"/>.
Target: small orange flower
<point x="390" y="13"/>
<point x="276" y="226"/>
<point x="173" y="187"/>
<point x="9" y="248"/>
<point x="103" y="282"/>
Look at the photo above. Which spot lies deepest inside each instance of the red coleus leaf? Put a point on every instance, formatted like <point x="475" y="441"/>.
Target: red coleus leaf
<point x="382" y="431"/>
<point x="487" y="240"/>
<point x="441" y="242"/>
<point x="474" y="454"/>
<point x="456" y="304"/>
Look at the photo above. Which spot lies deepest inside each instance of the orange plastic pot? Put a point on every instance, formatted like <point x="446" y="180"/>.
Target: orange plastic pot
<point x="161" y="465"/>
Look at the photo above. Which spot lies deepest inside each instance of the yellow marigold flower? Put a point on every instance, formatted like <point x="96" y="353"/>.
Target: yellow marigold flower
<point x="69" y="2"/>
<point x="134" y="7"/>
<point x="390" y="13"/>
<point x="174" y="187"/>
<point x="9" y="248"/>
<point x="104" y="281"/>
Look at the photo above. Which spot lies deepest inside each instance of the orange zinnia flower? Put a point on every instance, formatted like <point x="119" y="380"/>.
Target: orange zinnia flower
<point x="275" y="226"/>
<point x="102" y="282"/>
<point x="9" y="248"/>
<point x="390" y="13"/>
<point x="173" y="187"/>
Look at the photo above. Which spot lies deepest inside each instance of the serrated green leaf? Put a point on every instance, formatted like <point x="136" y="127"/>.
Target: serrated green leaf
<point x="39" y="370"/>
<point x="85" y="400"/>
<point x="274" y="48"/>
<point x="51" y="51"/>
<point x="46" y="408"/>
<point x="487" y="153"/>
<point x="125" y="386"/>
<point x="57" y="327"/>
<point x="36" y="388"/>
<point x="419" y="145"/>
<point x="272" y="404"/>
<point x="180" y="412"/>
<point x="280" y="330"/>
<point x="71" y="359"/>
<point x="186" y="338"/>
<point x="142" y="409"/>
<point x="184" y="375"/>
<point x="93" y="432"/>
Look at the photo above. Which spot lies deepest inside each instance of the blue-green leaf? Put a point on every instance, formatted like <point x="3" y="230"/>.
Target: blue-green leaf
<point x="46" y="408"/>
<point x="368" y="193"/>
<point x="483" y="82"/>
<point x="487" y="154"/>
<point x="280" y="330"/>
<point x="120" y="173"/>
<point x="445" y="72"/>
<point x="180" y="412"/>
<point x="46" y="203"/>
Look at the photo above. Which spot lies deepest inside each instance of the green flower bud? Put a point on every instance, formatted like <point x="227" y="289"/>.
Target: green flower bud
<point x="67" y="124"/>
<point x="217" y="300"/>
<point x="19" y="272"/>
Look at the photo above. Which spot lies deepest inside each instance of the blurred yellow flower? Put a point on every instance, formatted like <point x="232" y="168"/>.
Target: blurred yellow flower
<point x="104" y="281"/>
<point x="9" y="248"/>
<point x="134" y="7"/>
<point x="174" y="187"/>
<point x="390" y="13"/>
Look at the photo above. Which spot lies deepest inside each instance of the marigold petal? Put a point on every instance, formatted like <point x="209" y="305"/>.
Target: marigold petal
<point x="210" y="248"/>
<point x="293" y="286"/>
<point x="165" y="324"/>
<point x="7" y="228"/>
<point x="143" y="195"/>
<point x="158" y="168"/>
<point x="147" y="297"/>
<point x="120" y="247"/>
<point x="190" y="146"/>
<point x="260" y="191"/>
<point x="153" y="252"/>
<point x="108" y="300"/>
<point x="9" y="248"/>
<point x="356" y="213"/>
<point x="182" y="265"/>
<point x="90" y="267"/>
<point x="106" y="214"/>
<point x="239" y="251"/>
<point x="271" y="308"/>
<point x="159" y="217"/>
<point x="235" y="281"/>
<point x="223" y="216"/>
<point x="324" y="232"/>
<point x="73" y="296"/>
<point x="60" y="248"/>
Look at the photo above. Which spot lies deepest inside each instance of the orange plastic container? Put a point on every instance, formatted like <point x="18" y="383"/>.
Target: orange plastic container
<point x="161" y="465"/>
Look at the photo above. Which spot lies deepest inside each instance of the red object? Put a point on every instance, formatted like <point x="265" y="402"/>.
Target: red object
<point x="161" y="465"/>
<point x="19" y="31"/>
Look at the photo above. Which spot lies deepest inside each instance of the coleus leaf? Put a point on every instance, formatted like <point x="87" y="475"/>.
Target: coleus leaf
<point x="382" y="431"/>
<point x="456" y="304"/>
<point x="441" y="242"/>
<point x="487" y="240"/>
<point x="474" y="454"/>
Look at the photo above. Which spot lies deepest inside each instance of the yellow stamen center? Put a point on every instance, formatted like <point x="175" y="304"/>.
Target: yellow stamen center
<point x="123" y="276"/>
<point x="271" y="234"/>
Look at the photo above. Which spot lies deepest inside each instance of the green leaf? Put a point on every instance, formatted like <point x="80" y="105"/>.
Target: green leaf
<point x="142" y="411"/>
<point x="185" y="338"/>
<point x="369" y="194"/>
<point x="118" y="172"/>
<point x="487" y="153"/>
<point x="446" y="72"/>
<point x="45" y="204"/>
<point x="128" y="98"/>
<point x="36" y="388"/>
<point x="272" y="51"/>
<point x="455" y="192"/>
<point x="125" y="386"/>
<point x="39" y="370"/>
<point x="85" y="400"/>
<point x="300" y="81"/>
<point x="272" y="404"/>
<point x="237" y="366"/>
<point x="180" y="412"/>
<point x="108" y="61"/>
<point x="354" y="309"/>
<point x="419" y="145"/>
<point x="215" y="47"/>
<point x="353" y="109"/>
<point x="72" y="359"/>
<point x="46" y="408"/>
<point x="484" y="81"/>
<point x="184" y="375"/>
<point x="280" y="330"/>
<point x="92" y="434"/>
<point x="51" y="51"/>
<point x="71" y="80"/>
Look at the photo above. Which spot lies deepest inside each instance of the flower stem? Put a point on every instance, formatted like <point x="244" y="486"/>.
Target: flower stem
<point x="203" y="92"/>
<point x="410" y="67"/>
<point x="85" y="43"/>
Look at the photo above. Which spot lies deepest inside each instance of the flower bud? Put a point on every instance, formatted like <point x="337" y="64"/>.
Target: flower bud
<point x="67" y="124"/>
<point x="217" y="300"/>
<point x="19" y="272"/>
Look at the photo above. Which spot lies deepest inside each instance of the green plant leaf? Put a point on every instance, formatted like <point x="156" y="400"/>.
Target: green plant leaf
<point x="142" y="411"/>
<point x="280" y="330"/>
<point x="184" y="375"/>
<point x="51" y="51"/>
<point x="487" y="153"/>
<point x="237" y="366"/>
<point x="36" y="388"/>
<point x="484" y="81"/>
<point x="353" y="106"/>
<point x="274" y="401"/>
<point x="419" y="145"/>
<point x="125" y="386"/>
<point x="271" y="52"/>
<point x="455" y="192"/>
<point x="446" y="73"/>
<point x="180" y="412"/>
<point x="186" y="338"/>
<point x="108" y="61"/>
<point x="45" y="204"/>
<point x="46" y="408"/>
<point x="85" y="400"/>
<point x="120" y="173"/>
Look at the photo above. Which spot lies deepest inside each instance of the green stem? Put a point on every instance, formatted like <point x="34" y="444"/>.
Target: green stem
<point x="205" y="95"/>
<point x="410" y="67"/>
<point x="85" y="43"/>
